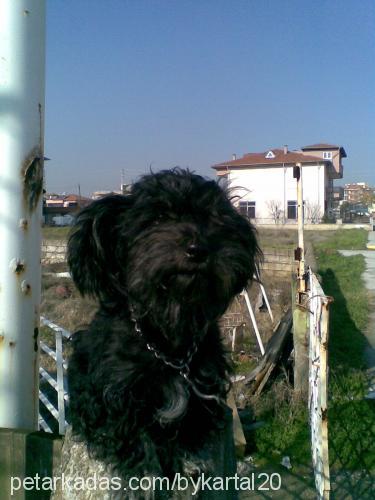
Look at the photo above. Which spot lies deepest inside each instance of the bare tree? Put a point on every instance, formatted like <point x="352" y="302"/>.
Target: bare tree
<point x="368" y="198"/>
<point x="275" y="210"/>
<point x="313" y="212"/>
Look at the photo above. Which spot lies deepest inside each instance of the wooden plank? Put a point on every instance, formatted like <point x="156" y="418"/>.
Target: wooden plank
<point x="264" y="379"/>
<point x="273" y="353"/>
<point x="238" y="434"/>
<point x="301" y="350"/>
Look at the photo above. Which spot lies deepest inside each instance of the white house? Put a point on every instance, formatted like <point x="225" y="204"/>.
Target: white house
<point x="267" y="190"/>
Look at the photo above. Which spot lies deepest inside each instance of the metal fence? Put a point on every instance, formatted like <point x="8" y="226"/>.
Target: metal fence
<point x="54" y="396"/>
<point x="318" y="384"/>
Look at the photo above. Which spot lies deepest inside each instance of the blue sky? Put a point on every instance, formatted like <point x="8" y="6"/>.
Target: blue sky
<point x="134" y="83"/>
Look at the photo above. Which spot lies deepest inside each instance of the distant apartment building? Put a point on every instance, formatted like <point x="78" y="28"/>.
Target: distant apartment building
<point x="358" y="192"/>
<point x="267" y="190"/>
<point x="63" y="200"/>
<point x="59" y="206"/>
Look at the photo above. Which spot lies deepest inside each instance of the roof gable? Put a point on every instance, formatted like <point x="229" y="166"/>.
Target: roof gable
<point x="270" y="155"/>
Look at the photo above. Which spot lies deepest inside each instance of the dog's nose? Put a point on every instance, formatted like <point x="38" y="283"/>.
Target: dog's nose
<point x="196" y="252"/>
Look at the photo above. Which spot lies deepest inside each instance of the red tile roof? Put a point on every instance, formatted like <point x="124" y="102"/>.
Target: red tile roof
<point x="75" y="197"/>
<point x="260" y="159"/>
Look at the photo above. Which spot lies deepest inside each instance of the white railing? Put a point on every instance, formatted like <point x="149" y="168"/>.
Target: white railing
<point x="59" y="383"/>
<point x="318" y="380"/>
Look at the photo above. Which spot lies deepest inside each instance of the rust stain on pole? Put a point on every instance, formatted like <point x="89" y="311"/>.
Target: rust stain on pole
<point x="17" y="266"/>
<point x="32" y="174"/>
<point x="25" y="288"/>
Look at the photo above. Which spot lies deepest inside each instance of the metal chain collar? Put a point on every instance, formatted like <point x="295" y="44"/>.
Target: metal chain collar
<point x="182" y="365"/>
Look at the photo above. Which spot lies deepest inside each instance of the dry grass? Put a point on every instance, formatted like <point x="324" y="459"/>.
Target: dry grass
<point x="62" y="304"/>
<point x="69" y="310"/>
<point x="280" y="238"/>
<point x="55" y="233"/>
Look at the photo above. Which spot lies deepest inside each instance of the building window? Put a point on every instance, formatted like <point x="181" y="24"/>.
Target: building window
<point x="327" y="155"/>
<point x="247" y="208"/>
<point x="292" y="209"/>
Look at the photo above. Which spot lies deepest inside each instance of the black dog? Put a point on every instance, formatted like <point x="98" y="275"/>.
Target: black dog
<point x="149" y="378"/>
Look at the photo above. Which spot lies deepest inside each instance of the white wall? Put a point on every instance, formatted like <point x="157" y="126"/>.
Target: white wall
<point x="277" y="183"/>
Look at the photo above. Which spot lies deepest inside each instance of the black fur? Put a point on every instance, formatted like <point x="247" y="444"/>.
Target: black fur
<point x="177" y="252"/>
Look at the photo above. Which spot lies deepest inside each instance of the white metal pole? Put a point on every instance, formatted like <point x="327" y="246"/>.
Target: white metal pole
<point x="234" y="331"/>
<point x="22" y="77"/>
<point x="263" y="290"/>
<point x="60" y="381"/>
<point x="253" y="320"/>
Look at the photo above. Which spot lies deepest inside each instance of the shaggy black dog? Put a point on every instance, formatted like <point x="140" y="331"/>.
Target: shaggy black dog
<point x="149" y="377"/>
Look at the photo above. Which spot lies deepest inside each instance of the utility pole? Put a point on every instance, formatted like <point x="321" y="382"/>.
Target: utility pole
<point x="300" y="312"/>
<point x="300" y="251"/>
<point x="22" y="80"/>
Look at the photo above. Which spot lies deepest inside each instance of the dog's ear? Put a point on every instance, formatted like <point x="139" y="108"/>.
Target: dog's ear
<point x="92" y="246"/>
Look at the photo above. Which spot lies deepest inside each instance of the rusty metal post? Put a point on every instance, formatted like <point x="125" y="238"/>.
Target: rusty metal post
<point x="22" y="77"/>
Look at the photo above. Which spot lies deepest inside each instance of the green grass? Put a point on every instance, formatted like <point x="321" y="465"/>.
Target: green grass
<point x="351" y="418"/>
<point x="286" y="431"/>
<point x="341" y="279"/>
<point x="343" y="239"/>
<point x="244" y="367"/>
<point x="340" y="239"/>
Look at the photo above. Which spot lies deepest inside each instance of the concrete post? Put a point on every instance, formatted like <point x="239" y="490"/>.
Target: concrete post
<point x="22" y="76"/>
<point x="300" y="343"/>
<point x="300" y="314"/>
